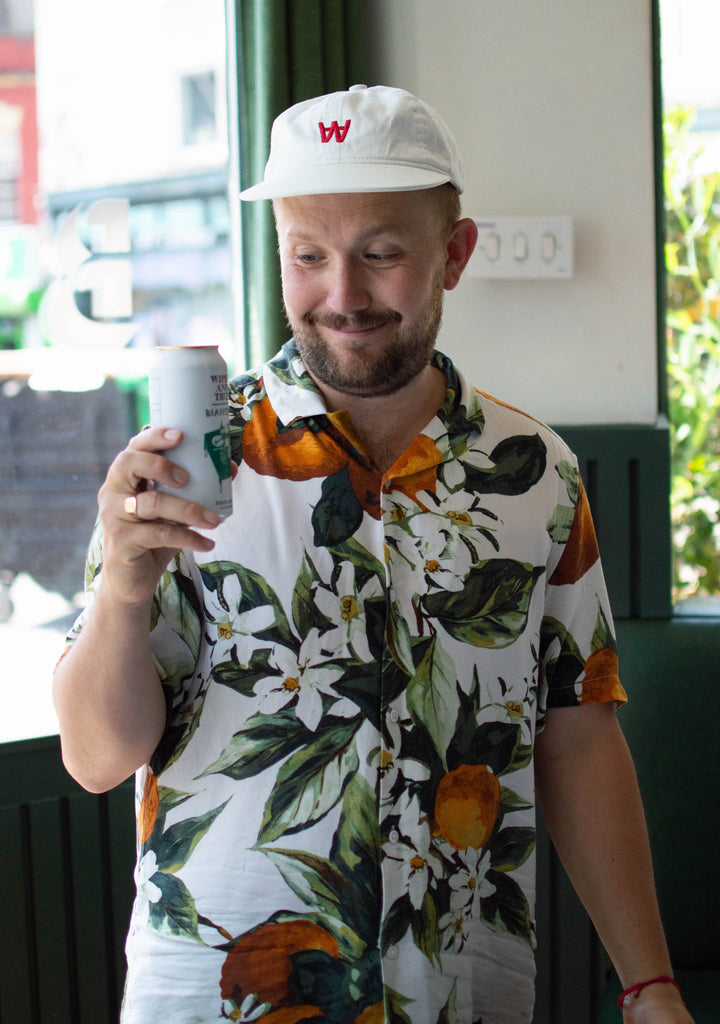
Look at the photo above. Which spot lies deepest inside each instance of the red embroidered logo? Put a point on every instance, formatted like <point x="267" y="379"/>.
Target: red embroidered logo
<point x="335" y="130"/>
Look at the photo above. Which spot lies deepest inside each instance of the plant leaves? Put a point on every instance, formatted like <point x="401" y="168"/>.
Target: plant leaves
<point x="491" y="609"/>
<point x="511" y="847"/>
<point x="356" y="855"/>
<point x="242" y="678"/>
<point x="262" y="742"/>
<point x="432" y="696"/>
<point x="178" y="842"/>
<point x="507" y="909"/>
<point x="338" y="513"/>
<point x="425" y="929"/>
<point x="313" y="879"/>
<point x="305" y="611"/>
<point x="175" y="913"/>
<point x="311" y="781"/>
<point x="520" y="462"/>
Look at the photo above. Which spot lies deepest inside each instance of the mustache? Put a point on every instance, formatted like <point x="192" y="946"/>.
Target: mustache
<point x="358" y="322"/>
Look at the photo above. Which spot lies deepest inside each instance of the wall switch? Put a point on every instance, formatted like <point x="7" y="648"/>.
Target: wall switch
<point x="513" y="247"/>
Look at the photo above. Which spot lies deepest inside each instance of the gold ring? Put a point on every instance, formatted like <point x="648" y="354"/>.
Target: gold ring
<point x="131" y="505"/>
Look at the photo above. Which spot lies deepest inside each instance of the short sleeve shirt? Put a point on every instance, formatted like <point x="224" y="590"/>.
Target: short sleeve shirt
<point x="339" y="822"/>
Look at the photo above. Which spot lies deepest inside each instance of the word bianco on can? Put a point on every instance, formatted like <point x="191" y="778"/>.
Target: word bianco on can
<point x="188" y="389"/>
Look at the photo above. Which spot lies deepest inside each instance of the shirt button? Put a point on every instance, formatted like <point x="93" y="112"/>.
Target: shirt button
<point x="392" y="952"/>
<point x="394" y="715"/>
<point x="394" y="835"/>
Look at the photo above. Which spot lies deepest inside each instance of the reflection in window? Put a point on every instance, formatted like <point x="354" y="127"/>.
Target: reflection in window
<point x="121" y="115"/>
<point x="198" y="103"/>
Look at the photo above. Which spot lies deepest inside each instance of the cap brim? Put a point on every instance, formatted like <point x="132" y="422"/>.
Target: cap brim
<point x="352" y="177"/>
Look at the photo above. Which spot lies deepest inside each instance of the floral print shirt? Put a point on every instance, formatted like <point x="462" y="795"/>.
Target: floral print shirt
<point x="339" y="823"/>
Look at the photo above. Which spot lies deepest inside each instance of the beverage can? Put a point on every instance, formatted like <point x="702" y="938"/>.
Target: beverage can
<point x="188" y="389"/>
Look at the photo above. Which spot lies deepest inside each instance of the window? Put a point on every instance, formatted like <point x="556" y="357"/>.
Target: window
<point x="113" y="211"/>
<point x="691" y="102"/>
<point x="198" y="108"/>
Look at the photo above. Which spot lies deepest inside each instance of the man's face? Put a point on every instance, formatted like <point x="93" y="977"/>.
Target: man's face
<point x="363" y="277"/>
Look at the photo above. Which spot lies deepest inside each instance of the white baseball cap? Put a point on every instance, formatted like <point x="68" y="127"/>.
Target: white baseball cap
<point x="376" y="139"/>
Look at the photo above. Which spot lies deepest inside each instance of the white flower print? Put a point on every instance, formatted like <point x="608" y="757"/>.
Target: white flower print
<point x="303" y="679"/>
<point x="249" y="1010"/>
<point x="345" y="605"/>
<point x="390" y="766"/>
<point x="415" y="860"/>
<point x="226" y="625"/>
<point x="454" y="926"/>
<point x="436" y="560"/>
<point x="504" y="703"/>
<point x="148" y="867"/>
<point x="469" y="884"/>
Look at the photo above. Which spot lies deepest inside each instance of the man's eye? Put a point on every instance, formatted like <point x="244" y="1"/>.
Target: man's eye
<point x="380" y="257"/>
<point x="307" y="257"/>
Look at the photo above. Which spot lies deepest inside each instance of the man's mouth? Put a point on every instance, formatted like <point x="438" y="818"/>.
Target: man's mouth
<point x="353" y="324"/>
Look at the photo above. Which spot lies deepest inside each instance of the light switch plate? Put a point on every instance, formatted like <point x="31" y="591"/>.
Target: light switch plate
<point x="516" y="247"/>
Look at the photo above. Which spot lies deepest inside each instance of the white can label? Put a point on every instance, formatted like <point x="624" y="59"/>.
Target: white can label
<point x="188" y="389"/>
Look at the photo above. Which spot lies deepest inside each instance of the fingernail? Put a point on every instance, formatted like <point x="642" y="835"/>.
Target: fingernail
<point x="180" y="476"/>
<point x="211" y="517"/>
<point x="172" y="434"/>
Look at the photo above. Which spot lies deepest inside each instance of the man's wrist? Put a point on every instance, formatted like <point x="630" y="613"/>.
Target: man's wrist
<point x="636" y="991"/>
<point x="656" y="1002"/>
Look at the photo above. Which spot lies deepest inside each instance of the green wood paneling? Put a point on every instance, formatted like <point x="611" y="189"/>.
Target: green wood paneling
<point x="67" y="861"/>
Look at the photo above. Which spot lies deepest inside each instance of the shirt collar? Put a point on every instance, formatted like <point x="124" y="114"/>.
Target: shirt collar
<point x="294" y="395"/>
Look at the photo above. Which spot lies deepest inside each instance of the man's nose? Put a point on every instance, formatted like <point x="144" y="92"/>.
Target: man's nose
<point x="348" y="290"/>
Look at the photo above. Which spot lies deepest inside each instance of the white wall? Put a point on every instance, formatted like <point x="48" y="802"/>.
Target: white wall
<point x="552" y="106"/>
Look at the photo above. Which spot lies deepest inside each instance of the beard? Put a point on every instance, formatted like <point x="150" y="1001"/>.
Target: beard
<point x="369" y="369"/>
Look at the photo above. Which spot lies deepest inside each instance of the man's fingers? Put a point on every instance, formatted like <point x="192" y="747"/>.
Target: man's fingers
<point x="155" y="439"/>
<point x="153" y="505"/>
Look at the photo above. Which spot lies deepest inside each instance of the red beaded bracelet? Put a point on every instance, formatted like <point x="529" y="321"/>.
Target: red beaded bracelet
<point x="635" y="990"/>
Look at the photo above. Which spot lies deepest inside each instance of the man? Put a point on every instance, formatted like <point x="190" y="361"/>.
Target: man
<point x="339" y="701"/>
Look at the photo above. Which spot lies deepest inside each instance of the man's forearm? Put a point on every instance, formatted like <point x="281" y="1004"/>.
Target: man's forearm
<point x="108" y="696"/>
<point x="591" y="803"/>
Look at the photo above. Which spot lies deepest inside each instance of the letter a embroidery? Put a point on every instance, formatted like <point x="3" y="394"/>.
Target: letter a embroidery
<point x="335" y="130"/>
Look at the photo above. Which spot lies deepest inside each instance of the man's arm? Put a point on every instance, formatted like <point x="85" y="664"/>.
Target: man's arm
<point x="106" y="689"/>
<point x="590" y="800"/>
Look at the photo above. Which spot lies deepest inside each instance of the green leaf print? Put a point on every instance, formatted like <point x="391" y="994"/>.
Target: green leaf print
<point x="507" y="909"/>
<point x="242" y="678"/>
<point x="175" y="912"/>
<point x="432" y="695"/>
<point x="449" y="1014"/>
<point x="564" y="662"/>
<point x="497" y="744"/>
<point x="355" y="852"/>
<point x="491" y="609"/>
<point x="511" y="801"/>
<point x="305" y="612"/>
<point x="560" y="524"/>
<point x="365" y="563"/>
<point x="311" y="781"/>
<point x="179" y="841"/>
<point x="519" y="463"/>
<point x="512" y="847"/>
<point x="262" y="742"/>
<point x="345" y="887"/>
<point x="568" y="473"/>
<point x="398" y="639"/>
<point x="396" y="922"/>
<point x="602" y="637"/>
<point x="314" y="880"/>
<point x="338" y="513"/>
<point x="425" y="930"/>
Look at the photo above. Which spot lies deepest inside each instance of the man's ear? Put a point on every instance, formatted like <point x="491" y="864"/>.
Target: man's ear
<point x="459" y="250"/>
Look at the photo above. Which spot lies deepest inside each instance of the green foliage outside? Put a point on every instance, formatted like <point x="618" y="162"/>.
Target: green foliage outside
<point x="692" y="207"/>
